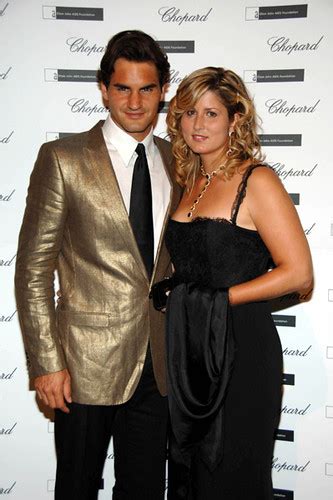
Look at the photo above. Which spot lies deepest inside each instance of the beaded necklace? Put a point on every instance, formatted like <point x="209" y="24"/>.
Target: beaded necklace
<point x="209" y="177"/>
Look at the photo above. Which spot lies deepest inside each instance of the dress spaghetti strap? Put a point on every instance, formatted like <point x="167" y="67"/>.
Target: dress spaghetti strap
<point x="241" y="192"/>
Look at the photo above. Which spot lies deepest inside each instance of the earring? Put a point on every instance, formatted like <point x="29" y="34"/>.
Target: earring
<point x="230" y="148"/>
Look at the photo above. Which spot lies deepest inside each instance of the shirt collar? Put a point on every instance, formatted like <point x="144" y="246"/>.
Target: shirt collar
<point x="124" y="143"/>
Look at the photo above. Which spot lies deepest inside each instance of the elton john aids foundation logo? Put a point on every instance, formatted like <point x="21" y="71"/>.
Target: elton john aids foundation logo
<point x="283" y="494"/>
<point x="284" y="435"/>
<point x="273" y="75"/>
<point x="54" y="136"/>
<point x="277" y="12"/>
<point x="70" y="75"/>
<point x="72" y="13"/>
<point x="279" y="140"/>
<point x="177" y="46"/>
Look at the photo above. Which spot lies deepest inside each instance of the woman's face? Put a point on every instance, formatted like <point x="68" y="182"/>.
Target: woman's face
<point x="205" y="127"/>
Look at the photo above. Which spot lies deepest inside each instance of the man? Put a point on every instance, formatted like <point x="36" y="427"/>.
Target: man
<point x="96" y="211"/>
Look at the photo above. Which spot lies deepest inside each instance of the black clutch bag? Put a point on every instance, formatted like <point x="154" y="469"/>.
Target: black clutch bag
<point x="160" y="291"/>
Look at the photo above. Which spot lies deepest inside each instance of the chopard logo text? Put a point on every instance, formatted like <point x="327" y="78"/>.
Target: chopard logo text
<point x="83" y="46"/>
<point x="6" y="197"/>
<point x="7" y="138"/>
<point x="6" y="432"/>
<point x="5" y="73"/>
<point x="7" y="491"/>
<point x="175" y="77"/>
<point x="2" y="11"/>
<point x="174" y="15"/>
<point x="280" y="106"/>
<point x="7" y="376"/>
<point x="7" y="319"/>
<point x="296" y="352"/>
<point x="84" y="106"/>
<point x="289" y="410"/>
<point x="283" y="44"/>
<point x="290" y="467"/>
<point x="7" y="262"/>
<point x="284" y="172"/>
<point x="308" y="230"/>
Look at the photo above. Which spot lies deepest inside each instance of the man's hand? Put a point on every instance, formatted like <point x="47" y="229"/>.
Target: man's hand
<point x="54" y="389"/>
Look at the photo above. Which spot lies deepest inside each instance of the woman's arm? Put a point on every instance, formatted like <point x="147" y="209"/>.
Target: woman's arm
<point x="278" y="224"/>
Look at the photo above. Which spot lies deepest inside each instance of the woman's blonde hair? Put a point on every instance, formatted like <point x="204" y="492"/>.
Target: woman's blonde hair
<point x="231" y="91"/>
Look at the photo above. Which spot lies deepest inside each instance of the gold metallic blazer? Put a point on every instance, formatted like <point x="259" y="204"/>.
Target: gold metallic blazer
<point x="76" y="223"/>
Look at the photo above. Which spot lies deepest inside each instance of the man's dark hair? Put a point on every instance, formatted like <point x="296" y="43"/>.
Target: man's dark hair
<point x="133" y="45"/>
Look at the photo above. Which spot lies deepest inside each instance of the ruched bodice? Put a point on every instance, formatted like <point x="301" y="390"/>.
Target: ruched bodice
<point x="216" y="252"/>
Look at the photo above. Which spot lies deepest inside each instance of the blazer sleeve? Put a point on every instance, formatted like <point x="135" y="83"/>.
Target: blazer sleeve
<point x="40" y="242"/>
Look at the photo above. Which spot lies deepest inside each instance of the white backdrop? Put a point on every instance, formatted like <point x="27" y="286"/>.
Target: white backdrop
<point x="49" y="56"/>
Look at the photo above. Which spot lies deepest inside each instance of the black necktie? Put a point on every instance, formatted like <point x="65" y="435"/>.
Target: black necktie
<point x="141" y="216"/>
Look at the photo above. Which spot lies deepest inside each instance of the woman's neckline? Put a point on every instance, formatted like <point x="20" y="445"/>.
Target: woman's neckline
<point x="214" y="219"/>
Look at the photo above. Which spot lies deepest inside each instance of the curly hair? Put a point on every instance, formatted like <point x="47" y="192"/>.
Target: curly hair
<point x="230" y="89"/>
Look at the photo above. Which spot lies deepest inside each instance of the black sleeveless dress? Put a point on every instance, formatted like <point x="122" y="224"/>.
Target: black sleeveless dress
<point x="215" y="254"/>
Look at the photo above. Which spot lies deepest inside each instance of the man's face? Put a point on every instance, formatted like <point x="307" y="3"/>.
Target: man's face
<point x="133" y="96"/>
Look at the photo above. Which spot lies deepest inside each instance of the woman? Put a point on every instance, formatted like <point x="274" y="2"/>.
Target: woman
<point x="224" y="354"/>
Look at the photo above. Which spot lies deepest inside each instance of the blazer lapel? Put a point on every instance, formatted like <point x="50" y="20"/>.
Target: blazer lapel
<point x="162" y="256"/>
<point x="99" y="159"/>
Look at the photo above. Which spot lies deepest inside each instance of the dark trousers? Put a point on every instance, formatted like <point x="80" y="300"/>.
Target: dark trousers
<point x="139" y="430"/>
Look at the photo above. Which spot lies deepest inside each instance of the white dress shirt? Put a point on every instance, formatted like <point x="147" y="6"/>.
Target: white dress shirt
<point x="121" y="147"/>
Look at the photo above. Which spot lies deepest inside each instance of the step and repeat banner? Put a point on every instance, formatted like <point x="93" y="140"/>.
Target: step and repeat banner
<point x="49" y="57"/>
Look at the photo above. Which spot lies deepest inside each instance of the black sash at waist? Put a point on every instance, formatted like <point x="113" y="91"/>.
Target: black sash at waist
<point x="200" y="353"/>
